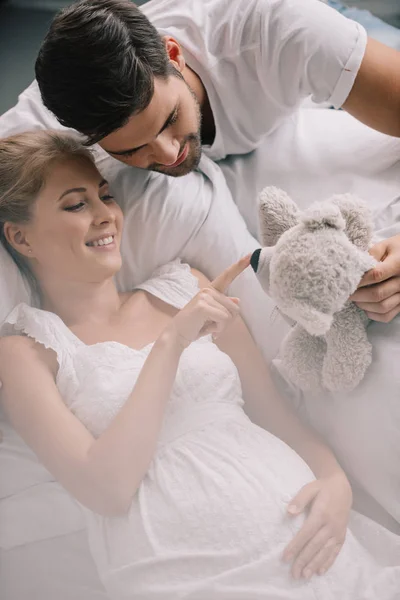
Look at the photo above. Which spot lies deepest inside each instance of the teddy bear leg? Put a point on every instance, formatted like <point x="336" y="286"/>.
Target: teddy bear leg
<point x="302" y="357"/>
<point x="348" y="353"/>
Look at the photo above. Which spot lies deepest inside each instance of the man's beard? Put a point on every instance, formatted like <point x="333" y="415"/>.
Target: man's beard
<point x="189" y="164"/>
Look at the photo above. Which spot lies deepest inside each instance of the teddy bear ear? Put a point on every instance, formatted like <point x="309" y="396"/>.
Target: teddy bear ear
<point x="358" y="219"/>
<point x="323" y="214"/>
<point x="277" y="214"/>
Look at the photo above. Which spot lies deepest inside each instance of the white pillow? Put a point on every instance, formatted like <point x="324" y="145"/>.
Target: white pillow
<point x="13" y="288"/>
<point x="314" y="154"/>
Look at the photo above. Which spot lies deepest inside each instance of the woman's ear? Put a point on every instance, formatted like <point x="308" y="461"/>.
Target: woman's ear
<point x="174" y="52"/>
<point x="16" y="237"/>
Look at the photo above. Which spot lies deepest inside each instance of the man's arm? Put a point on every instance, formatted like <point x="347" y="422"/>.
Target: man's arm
<point x="375" y="96"/>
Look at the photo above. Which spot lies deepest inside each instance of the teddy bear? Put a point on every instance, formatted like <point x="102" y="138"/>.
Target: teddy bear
<point x="310" y="264"/>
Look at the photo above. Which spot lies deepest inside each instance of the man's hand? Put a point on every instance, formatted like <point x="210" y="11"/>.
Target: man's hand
<point x="379" y="290"/>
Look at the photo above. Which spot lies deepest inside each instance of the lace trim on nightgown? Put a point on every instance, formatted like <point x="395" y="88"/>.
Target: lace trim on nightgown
<point x="173" y="283"/>
<point x="47" y="329"/>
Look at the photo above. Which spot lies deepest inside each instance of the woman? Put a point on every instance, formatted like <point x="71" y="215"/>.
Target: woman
<point x="134" y="402"/>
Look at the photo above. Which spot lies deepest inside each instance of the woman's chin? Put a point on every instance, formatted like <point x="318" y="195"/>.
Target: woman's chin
<point x="108" y="266"/>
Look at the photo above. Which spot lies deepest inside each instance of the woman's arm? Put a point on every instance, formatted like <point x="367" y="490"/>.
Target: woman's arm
<point x="102" y="474"/>
<point x="264" y="405"/>
<point x="105" y="473"/>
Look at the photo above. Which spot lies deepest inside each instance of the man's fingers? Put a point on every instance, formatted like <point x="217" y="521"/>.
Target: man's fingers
<point x="381" y="308"/>
<point x="224" y="280"/>
<point x="377" y="293"/>
<point x="389" y="267"/>
<point x="380" y="250"/>
<point x="384" y="318"/>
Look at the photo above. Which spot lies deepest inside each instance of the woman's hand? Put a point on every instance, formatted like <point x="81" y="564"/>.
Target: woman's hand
<point x="316" y="546"/>
<point x="379" y="291"/>
<point x="210" y="311"/>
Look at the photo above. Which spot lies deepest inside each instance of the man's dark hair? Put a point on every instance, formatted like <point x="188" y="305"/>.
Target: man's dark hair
<point x="97" y="64"/>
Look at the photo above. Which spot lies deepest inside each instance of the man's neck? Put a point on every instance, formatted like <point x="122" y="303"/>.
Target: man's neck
<point x="207" y="117"/>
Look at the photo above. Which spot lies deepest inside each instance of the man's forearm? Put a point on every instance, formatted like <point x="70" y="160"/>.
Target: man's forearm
<point x="375" y="97"/>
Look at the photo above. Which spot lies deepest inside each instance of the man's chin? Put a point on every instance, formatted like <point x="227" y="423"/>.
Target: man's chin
<point x="177" y="172"/>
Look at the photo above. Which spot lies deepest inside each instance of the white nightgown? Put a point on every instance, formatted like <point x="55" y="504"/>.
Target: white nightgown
<point x="209" y="520"/>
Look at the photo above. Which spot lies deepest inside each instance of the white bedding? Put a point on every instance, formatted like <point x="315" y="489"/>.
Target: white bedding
<point x="313" y="155"/>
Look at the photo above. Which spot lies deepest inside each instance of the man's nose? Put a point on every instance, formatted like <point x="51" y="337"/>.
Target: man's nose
<point x="165" y="150"/>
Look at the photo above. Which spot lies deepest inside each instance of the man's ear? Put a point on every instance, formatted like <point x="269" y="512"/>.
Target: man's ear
<point x="174" y="52"/>
<point x="16" y="237"/>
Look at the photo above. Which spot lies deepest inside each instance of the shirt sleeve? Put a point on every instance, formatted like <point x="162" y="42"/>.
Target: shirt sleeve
<point x="308" y="49"/>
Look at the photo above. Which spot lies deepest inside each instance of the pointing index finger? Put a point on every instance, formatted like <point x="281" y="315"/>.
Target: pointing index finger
<point x="224" y="280"/>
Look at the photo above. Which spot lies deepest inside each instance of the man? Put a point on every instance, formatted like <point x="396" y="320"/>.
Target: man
<point x="219" y="73"/>
<point x="217" y="76"/>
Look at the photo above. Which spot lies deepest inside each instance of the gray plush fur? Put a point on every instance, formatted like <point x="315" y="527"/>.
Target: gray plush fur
<point x="310" y="265"/>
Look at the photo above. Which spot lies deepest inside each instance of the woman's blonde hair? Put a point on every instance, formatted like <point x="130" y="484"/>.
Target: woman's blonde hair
<point x="25" y="161"/>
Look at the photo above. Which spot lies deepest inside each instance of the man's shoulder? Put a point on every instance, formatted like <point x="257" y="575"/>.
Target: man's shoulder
<point x="213" y="18"/>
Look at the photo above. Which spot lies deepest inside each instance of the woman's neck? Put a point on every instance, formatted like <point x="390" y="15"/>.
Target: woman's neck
<point x="81" y="303"/>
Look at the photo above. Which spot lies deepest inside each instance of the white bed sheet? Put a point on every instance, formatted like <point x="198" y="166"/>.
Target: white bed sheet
<point x="317" y="153"/>
<point x="313" y="155"/>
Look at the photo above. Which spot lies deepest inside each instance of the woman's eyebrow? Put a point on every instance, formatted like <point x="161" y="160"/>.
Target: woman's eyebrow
<point x="80" y="189"/>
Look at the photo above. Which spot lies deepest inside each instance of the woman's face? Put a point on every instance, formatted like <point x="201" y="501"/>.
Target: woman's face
<point x="76" y="228"/>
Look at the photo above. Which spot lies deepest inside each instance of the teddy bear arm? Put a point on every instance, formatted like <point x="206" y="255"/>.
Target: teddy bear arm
<point x="349" y="352"/>
<point x="302" y="357"/>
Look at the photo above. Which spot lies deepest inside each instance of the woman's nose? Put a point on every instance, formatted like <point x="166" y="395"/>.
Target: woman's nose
<point x="103" y="215"/>
<point x="165" y="150"/>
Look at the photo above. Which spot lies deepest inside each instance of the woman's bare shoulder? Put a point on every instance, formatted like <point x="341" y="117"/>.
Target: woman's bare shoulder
<point x="17" y="348"/>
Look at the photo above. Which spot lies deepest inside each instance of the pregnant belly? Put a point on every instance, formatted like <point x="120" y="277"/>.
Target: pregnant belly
<point x="222" y="488"/>
<point x="214" y="499"/>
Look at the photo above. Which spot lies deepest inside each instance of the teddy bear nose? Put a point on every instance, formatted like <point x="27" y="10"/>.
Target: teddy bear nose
<point x="255" y="257"/>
